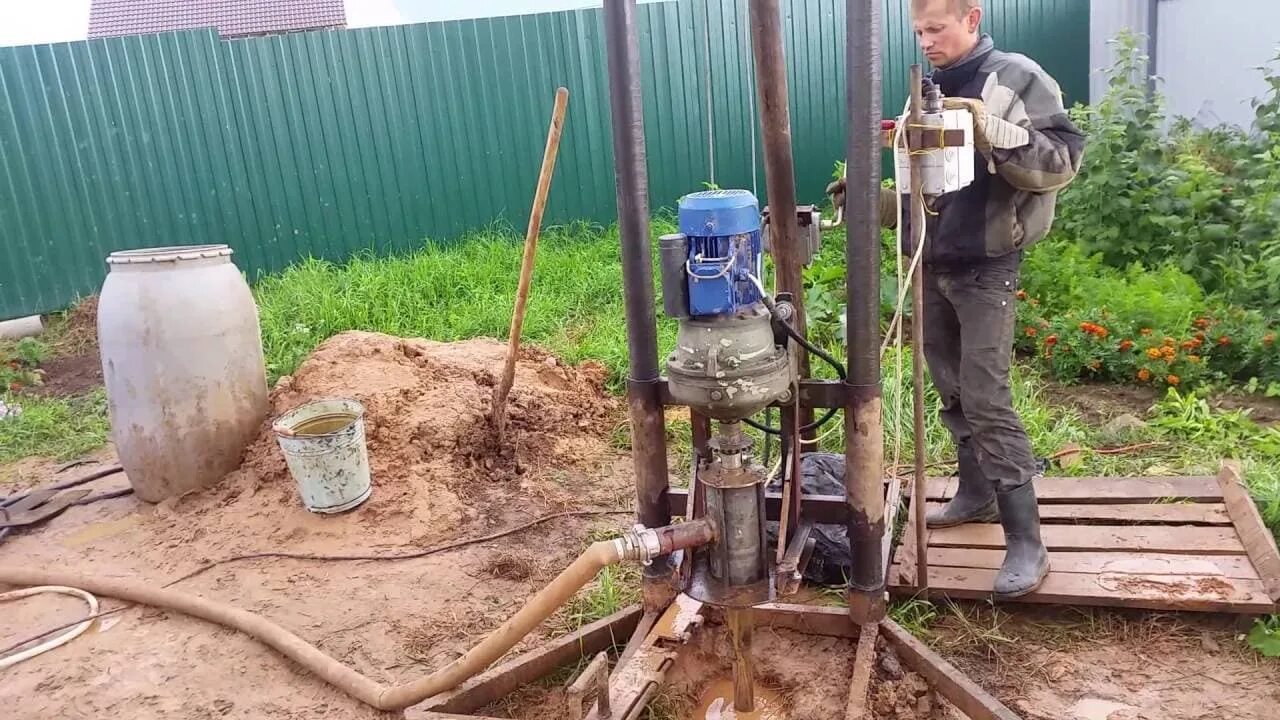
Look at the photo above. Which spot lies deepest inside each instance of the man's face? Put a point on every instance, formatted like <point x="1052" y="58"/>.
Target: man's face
<point x="944" y="36"/>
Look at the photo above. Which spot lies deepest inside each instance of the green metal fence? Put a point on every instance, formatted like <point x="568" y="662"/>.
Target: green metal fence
<point x="329" y="143"/>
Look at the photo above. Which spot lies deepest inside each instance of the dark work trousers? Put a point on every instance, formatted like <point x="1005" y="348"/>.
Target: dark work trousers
<point x="969" y="319"/>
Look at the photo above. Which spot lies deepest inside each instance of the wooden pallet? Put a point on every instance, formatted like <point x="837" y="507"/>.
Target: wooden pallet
<point x="1167" y="543"/>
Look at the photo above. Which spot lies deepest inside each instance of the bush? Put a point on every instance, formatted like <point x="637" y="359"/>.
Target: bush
<point x="1206" y="201"/>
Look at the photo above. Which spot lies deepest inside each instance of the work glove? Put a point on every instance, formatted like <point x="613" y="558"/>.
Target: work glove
<point x="989" y="132"/>
<point x="888" y="202"/>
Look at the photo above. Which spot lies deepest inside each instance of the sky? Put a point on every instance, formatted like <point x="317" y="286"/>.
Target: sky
<point x="30" y="23"/>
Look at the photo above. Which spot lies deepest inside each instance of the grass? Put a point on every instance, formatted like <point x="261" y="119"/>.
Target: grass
<point x="460" y="290"/>
<point x="54" y="427"/>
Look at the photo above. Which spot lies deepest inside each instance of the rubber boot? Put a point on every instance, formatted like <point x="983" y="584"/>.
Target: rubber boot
<point x="1026" y="561"/>
<point x="975" y="501"/>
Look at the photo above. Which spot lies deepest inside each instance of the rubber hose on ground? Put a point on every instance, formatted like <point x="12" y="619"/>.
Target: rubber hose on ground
<point x="494" y="646"/>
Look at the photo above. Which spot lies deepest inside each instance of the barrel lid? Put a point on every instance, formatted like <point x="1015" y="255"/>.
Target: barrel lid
<point x="168" y="254"/>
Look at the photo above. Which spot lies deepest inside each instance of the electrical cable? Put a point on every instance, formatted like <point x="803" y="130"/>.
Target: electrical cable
<point x="81" y="625"/>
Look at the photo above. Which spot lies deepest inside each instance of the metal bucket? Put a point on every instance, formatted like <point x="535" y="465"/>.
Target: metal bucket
<point x="323" y="444"/>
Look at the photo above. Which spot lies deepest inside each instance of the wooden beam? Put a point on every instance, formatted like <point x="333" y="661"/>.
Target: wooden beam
<point x="1187" y="540"/>
<point x="1258" y="541"/>
<point x="860" y="679"/>
<point x="966" y="695"/>
<point x="1152" y="592"/>
<point x="808" y="619"/>
<point x="1227" y="566"/>
<point x="1108" y="490"/>
<point x="1153" y="513"/>
<point x="495" y="684"/>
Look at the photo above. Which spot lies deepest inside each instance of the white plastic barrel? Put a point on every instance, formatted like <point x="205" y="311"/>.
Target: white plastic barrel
<point x="324" y="446"/>
<point x="183" y="367"/>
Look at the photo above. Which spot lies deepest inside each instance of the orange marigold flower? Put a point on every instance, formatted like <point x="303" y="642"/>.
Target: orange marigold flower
<point x="1268" y="339"/>
<point x="1022" y="294"/>
<point x="1170" y="342"/>
<point x="1144" y="331"/>
<point x="1153" y="353"/>
<point x="1224" y="340"/>
<point x="1200" y="336"/>
<point x="1144" y="374"/>
<point x="1031" y="331"/>
<point x="1095" y="365"/>
<point x="1169" y="353"/>
<point x="1202" y="323"/>
<point x="1190" y="344"/>
<point x="1051" y="340"/>
<point x="1173" y="379"/>
<point x="1126" y="345"/>
<point x="1035" y="302"/>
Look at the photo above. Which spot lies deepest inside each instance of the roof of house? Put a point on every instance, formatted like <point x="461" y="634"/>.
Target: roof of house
<point x="231" y="18"/>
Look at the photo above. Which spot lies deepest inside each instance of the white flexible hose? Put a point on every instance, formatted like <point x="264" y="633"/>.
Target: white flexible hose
<point x="58" y="641"/>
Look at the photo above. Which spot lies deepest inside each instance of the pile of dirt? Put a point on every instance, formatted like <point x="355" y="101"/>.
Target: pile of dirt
<point x="426" y="419"/>
<point x="75" y="367"/>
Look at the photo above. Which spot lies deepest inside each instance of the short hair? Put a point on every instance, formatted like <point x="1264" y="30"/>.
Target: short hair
<point x="958" y="7"/>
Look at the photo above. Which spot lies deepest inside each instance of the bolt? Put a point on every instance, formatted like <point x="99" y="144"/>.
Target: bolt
<point x="717" y="395"/>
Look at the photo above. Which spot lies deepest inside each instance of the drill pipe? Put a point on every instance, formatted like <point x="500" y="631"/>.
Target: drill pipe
<point x="370" y="692"/>
<point x="648" y="438"/>
<point x="864" y="444"/>
<point x="779" y="166"/>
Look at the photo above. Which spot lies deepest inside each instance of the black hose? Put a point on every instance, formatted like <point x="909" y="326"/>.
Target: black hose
<point x="814" y="349"/>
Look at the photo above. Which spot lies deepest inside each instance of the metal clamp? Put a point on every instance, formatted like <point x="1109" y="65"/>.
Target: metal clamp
<point x="597" y="673"/>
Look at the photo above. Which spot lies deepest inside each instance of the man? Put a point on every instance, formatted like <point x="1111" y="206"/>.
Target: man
<point x="1028" y="150"/>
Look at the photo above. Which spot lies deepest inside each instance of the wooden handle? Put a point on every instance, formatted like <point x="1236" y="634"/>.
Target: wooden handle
<point x="526" y="266"/>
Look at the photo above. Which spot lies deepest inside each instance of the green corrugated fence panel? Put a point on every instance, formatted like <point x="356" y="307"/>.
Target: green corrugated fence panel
<point x="331" y="143"/>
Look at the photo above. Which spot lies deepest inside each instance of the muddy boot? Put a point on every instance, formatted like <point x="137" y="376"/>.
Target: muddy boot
<point x="1026" y="561"/>
<point x="975" y="501"/>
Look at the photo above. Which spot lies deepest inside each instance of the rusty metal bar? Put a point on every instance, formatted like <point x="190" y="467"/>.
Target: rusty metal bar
<point x="648" y="439"/>
<point x="779" y="166"/>
<point x="864" y="444"/>
<point x="952" y="684"/>
<point x="917" y="341"/>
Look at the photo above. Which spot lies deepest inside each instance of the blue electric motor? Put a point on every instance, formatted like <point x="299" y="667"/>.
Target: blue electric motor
<point x="707" y="267"/>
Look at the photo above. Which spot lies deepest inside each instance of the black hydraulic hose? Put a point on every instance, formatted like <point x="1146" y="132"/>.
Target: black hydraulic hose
<point x="814" y="349"/>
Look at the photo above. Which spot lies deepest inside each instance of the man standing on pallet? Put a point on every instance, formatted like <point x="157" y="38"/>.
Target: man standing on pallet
<point x="973" y="250"/>
<point x="974" y="243"/>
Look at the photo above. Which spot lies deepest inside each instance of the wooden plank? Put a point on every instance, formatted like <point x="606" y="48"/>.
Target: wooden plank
<point x="1258" y="542"/>
<point x="965" y="694"/>
<point x="1113" y="490"/>
<point x="860" y="679"/>
<point x="1154" y="592"/>
<point x="1153" y="513"/>
<point x="906" y="561"/>
<point x="892" y="502"/>
<point x="808" y="619"/>
<point x="497" y="683"/>
<point x="1187" y="540"/>
<point x="1227" y="566"/>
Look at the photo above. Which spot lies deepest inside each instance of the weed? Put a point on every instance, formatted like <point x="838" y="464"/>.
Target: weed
<point x="915" y="616"/>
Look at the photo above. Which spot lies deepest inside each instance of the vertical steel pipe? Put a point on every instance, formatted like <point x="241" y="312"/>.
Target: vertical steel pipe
<point x="648" y="441"/>
<point x="914" y="120"/>
<point x="779" y="166"/>
<point x="864" y="439"/>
